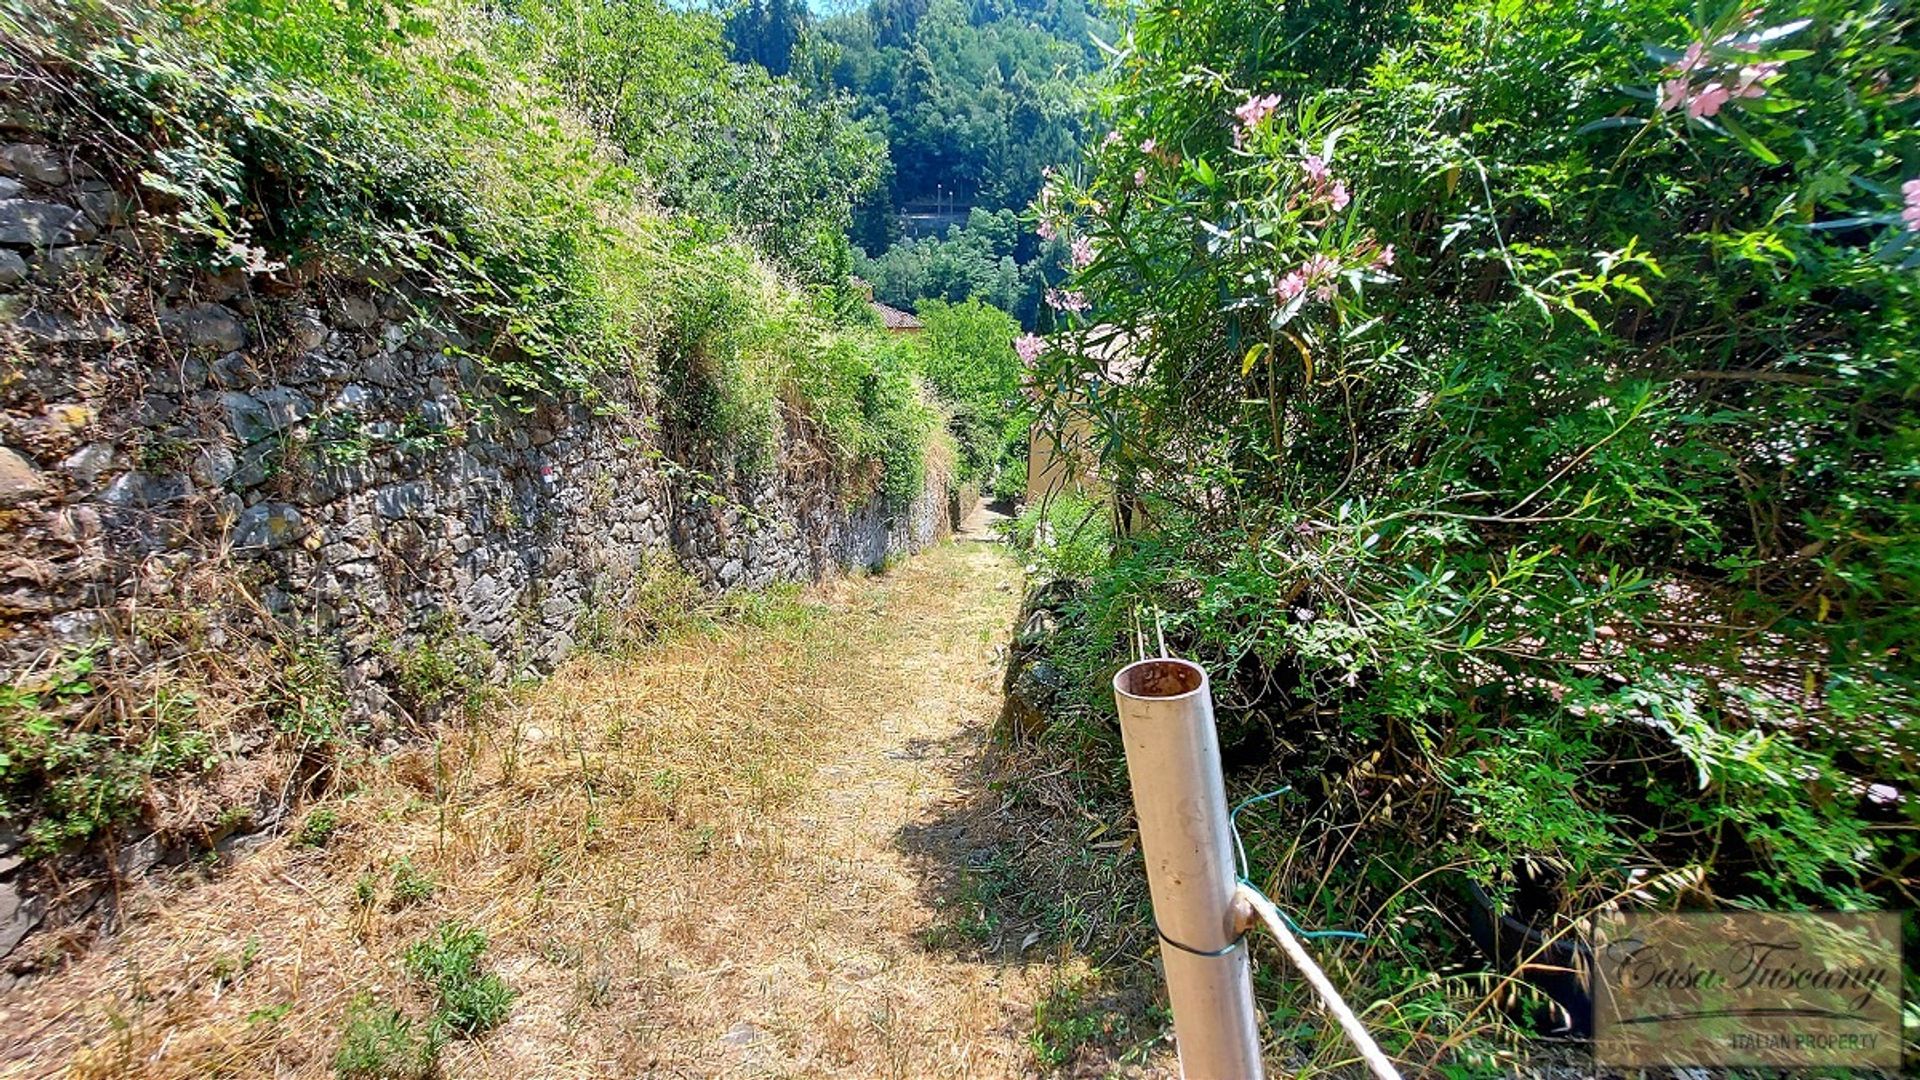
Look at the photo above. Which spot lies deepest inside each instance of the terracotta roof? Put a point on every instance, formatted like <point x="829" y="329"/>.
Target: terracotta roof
<point x="895" y="318"/>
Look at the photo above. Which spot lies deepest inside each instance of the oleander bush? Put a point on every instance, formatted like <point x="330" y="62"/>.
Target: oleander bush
<point x="1524" y="410"/>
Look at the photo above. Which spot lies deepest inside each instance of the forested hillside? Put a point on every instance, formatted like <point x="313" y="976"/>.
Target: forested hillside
<point x="973" y="102"/>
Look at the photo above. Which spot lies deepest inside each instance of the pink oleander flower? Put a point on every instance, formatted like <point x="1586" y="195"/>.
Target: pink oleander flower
<point x="1319" y="266"/>
<point x="1707" y="102"/>
<point x="1319" y="273"/>
<point x="1252" y="111"/>
<point x="1910" y="215"/>
<point x="1067" y="300"/>
<point x="1140" y="178"/>
<point x="1321" y="185"/>
<point x="1113" y="137"/>
<point x="1029" y="347"/>
<point x="1323" y="274"/>
<point x="1384" y="259"/>
<point x="1149" y="146"/>
<point x="1082" y="251"/>
<point x="1673" y="94"/>
<point x="1753" y="75"/>
<point x="1707" y="99"/>
<point x="1044" y="229"/>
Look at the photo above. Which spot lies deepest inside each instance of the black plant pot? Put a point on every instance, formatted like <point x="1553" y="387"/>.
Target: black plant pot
<point x="1560" y="969"/>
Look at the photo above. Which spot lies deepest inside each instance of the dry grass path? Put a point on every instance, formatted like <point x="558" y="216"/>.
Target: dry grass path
<point x="695" y="860"/>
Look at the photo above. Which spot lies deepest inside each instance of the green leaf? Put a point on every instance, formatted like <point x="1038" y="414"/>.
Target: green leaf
<point x="1259" y="349"/>
<point x="1746" y="140"/>
<point x="1610" y="123"/>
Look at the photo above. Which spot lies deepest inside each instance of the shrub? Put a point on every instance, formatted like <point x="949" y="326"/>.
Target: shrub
<point x="410" y="885"/>
<point x="1067" y="537"/>
<point x="68" y="779"/>
<point x="472" y="1002"/>
<point x="381" y="1043"/>
<point x="318" y="827"/>
<point x="966" y="353"/>
<point x="442" y="665"/>
<point x="1517" y="422"/>
<point x="1524" y="416"/>
<point x="732" y="144"/>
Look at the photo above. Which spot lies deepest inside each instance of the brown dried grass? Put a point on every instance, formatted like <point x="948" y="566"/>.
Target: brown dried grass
<point x="699" y="838"/>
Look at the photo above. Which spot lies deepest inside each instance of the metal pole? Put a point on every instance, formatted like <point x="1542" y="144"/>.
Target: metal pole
<point x="1173" y="761"/>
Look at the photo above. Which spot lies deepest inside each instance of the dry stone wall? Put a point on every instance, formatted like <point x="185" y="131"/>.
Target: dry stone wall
<point x="194" y="464"/>
<point x="324" y="434"/>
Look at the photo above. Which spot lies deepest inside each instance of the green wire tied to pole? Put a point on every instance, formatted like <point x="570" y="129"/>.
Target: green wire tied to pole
<point x="1240" y="849"/>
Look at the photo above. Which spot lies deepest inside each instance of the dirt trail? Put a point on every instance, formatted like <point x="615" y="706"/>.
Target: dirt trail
<point x="712" y="857"/>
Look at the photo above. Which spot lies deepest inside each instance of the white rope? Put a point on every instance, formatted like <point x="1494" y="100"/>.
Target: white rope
<point x="1263" y="908"/>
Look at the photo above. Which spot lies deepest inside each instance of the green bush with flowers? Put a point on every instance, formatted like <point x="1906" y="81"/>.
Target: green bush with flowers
<point x="1525" y="407"/>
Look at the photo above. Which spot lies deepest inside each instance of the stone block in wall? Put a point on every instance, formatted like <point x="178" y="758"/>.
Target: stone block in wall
<point x="145" y="491"/>
<point x="35" y="223"/>
<point x="31" y="161"/>
<point x="267" y="526"/>
<point x="403" y="500"/>
<point x="54" y="328"/>
<point x="353" y="312"/>
<point x="210" y="327"/>
<point x="264" y="413"/>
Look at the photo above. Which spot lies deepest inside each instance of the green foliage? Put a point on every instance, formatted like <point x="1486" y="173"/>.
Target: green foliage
<point x="1530" y="487"/>
<point x="472" y="1002"/>
<point x="725" y="142"/>
<point x="68" y="778"/>
<point x="1011" y="482"/>
<point x="764" y="32"/>
<point x="442" y="665"/>
<point x="666" y="598"/>
<point x="1553" y="445"/>
<point x="1063" y="1022"/>
<point x="447" y="142"/>
<point x="990" y="258"/>
<point x="382" y="1043"/>
<point x="974" y="99"/>
<point x="317" y="829"/>
<point x="751" y="350"/>
<point x="1067" y="537"/>
<point x="305" y="698"/>
<point x="410" y="885"/>
<point x="898" y="424"/>
<point x="966" y="353"/>
<point x="868" y="401"/>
